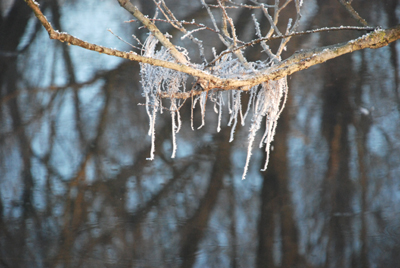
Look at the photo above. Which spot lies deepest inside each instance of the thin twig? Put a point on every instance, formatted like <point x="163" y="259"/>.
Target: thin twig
<point x="171" y="19"/>
<point x="351" y="10"/>
<point x="124" y="40"/>
<point x="297" y="62"/>
<point x="284" y="5"/>
<point x="128" y="6"/>
<point x="200" y="25"/>
<point x="257" y="6"/>
<point x="254" y="42"/>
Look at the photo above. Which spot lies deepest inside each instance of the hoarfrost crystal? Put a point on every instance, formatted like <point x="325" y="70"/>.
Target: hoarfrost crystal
<point x="265" y="100"/>
<point x="155" y="82"/>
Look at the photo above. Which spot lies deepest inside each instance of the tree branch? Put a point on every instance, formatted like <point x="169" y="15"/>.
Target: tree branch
<point x="263" y="40"/>
<point x="307" y="58"/>
<point x="297" y="62"/>
<point x="228" y="73"/>
<point x="127" y="5"/>
<point x="65" y="37"/>
<point x="354" y="14"/>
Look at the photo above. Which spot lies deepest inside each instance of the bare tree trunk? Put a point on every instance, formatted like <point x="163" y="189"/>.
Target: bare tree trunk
<point x="194" y="228"/>
<point x="337" y="114"/>
<point x="276" y="203"/>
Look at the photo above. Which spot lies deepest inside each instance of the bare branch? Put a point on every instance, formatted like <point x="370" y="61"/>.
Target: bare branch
<point x="273" y="22"/>
<point x="200" y="25"/>
<point x="275" y="37"/>
<point x="178" y="25"/>
<point x="165" y="70"/>
<point x="263" y="44"/>
<point x="65" y="37"/>
<point x="228" y="19"/>
<point x="350" y="9"/>
<point x="127" y="5"/>
<point x="284" y="41"/>
<point x="123" y="40"/>
<point x="297" y="62"/>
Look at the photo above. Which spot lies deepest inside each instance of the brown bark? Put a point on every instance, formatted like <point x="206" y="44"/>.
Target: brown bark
<point x="297" y="62"/>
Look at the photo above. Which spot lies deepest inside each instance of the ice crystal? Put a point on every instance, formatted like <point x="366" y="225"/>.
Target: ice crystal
<point x="266" y="100"/>
<point x="203" y="99"/>
<point x="268" y="105"/>
<point x="155" y="82"/>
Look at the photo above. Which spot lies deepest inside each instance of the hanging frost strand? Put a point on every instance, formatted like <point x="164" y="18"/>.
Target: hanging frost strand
<point x="265" y="100"/>
<point x="203" y="99"/>
<point x="220" y="103"/>
<point x="279" y="98"/>
<point x="174" y="127"/>
<point x="237" y="108"/>
<point x="157" y="81"/>
<point x="268" y="105"/>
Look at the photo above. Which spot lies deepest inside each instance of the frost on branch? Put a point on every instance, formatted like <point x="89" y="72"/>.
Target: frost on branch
<point x="155" y="82"/>
<point x="228" y="76"/>
<point x="266" y="100"/>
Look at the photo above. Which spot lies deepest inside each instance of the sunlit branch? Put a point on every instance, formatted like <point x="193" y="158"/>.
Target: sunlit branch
<point x="179" y="25"/>
<point x="65" y="37"/>
<point x="207" y="81"/>
<point x="129" y="44"/>
<point x="275" y="37"/>
<point x="128" y="6"/>
<point x="228" y="20"/>
<point x="200" y="25"/>
<point x="350" y="9"/>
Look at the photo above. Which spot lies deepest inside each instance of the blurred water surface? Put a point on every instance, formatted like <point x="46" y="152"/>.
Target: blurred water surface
<point x="76" y="189"/>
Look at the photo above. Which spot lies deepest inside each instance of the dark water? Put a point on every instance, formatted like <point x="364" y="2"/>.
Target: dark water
<point x="76" y="189"/>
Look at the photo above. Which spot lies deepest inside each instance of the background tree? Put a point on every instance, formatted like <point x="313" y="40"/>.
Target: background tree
<point x="76" y="189"/>
<point x="165" y="71"/>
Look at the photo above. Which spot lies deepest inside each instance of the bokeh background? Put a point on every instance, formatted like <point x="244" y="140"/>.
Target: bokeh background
<point x="76" y="189"/>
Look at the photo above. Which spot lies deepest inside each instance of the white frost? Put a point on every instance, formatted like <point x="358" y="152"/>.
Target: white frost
<point x="268" y="105"/>
<point x="157" y="81"/>
<point x="266" y="101"/>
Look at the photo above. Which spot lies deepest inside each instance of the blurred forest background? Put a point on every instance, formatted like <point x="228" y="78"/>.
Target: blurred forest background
<point x="76" y="189"/>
